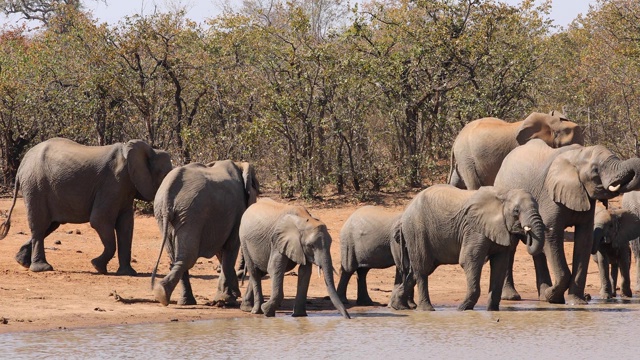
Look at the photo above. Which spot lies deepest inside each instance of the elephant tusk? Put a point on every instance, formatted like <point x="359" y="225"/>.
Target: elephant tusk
<point x="319" y="271"/>
<point x="614" y="188"/>
<point x="527" y="229"/>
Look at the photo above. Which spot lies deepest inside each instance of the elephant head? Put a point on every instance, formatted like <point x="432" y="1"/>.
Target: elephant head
<point x="147" y="167"/>
<point x="614" y="226"/>
<point x="577" y="176"/>
<point x="306" y="240"/>
<point x="251" y="185"/>
<point x="503" y="215"/>
<point x="553" y="128"/>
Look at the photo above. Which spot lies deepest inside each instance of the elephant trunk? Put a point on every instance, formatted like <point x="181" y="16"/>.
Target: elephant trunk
<point x="327" y="270"/>
<point x="534" y="232"/>
<point x="625" y="175"/>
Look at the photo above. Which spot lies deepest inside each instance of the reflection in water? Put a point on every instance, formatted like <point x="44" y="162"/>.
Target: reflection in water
<point x="521" y="330"/>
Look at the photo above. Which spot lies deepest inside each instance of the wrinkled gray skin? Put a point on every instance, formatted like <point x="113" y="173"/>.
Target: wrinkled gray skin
<point x="369" y="239"/>
<point x="612" y="230"/>
<point x="275" y="238"/>
<point x="65" y="182"/>
<point x="566" y="182"/>
<point x="482" y="144"/>
<point x="631" y="203"/>
<point x="447" y="225"/>
<point x="198" y="208"/>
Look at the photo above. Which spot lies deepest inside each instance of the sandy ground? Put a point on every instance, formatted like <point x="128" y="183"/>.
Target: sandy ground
<point x="75" y="295"/>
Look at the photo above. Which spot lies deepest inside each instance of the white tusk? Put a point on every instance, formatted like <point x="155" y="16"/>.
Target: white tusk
<point x="614" y="188"/>
<point x="319" y="271"/>
<point x="527" y="229"/>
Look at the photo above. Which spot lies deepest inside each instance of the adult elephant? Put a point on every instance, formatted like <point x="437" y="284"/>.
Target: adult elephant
<point x="65" y="182"/>
<point x="612" y="231"/>
<point x="566" y="182"/>
<point x="447" y="225"/>
<point x="482" y="144"/>
<point x="275" y="238"/>
<point x="631" y="203"/>
<point x="198" y="208"/>
<point x="369" y="239"/>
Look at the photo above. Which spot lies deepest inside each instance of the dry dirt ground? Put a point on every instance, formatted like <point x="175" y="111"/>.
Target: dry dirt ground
<point x="75" y="295"/>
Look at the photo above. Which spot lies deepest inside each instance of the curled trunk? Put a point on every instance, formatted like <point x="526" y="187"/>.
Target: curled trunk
<point x="534" y="238"/>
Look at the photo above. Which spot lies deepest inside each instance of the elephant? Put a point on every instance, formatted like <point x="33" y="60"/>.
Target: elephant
<point x="631" y="203"/>
<point x="482" y="144"/>
<point x="275" y="238"/>
<point x="198" y="208"/>
<point x="369" y="239"/>
<point x="612" y="231"/>
<point x="566" y="182"/>
<point x="66" y="182"/>
<point x="447" y="225"/>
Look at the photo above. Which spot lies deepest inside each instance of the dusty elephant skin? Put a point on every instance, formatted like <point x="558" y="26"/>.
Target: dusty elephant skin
<point x="65" y="182"/>
<point x="369" y="239"/>
<point x="482" y="144"/>
<point x="631" y="203"/>
<point x="612" y="230"/>
<point x="198" y="208"/>
<point x="275" y="238"/>
<point x="566" y="182"/>
<point x="447" y="225"/>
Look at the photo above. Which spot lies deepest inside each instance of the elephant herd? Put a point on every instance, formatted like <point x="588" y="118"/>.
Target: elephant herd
<point x="509" y="183"/>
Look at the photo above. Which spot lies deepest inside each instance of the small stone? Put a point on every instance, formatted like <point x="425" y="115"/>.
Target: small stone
<point x="134" y="261"/>
<point x="78" y="232"/>
<point x="79" y="251"/>
<point x="21" y="233"/>
<point x="70" y="232"/>
<point x="58" y="242"/>
<point x="4" y="321"/>
<point x="99" y="309"/>
<point x="174" y="320"/>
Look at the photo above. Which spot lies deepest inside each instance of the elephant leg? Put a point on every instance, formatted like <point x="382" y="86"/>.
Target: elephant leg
<point x="613" y="277"/>
<point x="624" y="265"/>
<point x="499" y="263"/>
<point x="276" y="269"/>
<point x="304" y="276"/>
<point x="241" y="266"/>
<point x="402" y="294"/>
<point x="228" y="287"/>
<point x="345" y="276"/>
<point x="253" y="297"/>
<point x="603" y="271"/>
<point x="247" y="299"/>
<point x="509" y="291"/>
<point x="187" y="297"/>
<point x="635" y="249"/>
<point x="582" y="245"/>
<point x="124" y="239"/>
<point x="363" y="293"/>
<point x="424" y="302"/>
<point x="554" y="252"/>
<point x="165" y="287"/>
<point x="472" y="270"/>
<point x="107" y="236"/>
<point x="23" y="256"/>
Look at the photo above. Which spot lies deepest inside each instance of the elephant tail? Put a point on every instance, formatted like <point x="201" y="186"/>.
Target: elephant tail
<point x="4" y="228"/>
<point x="452" y="166"/>
<point x="165" y="236"/>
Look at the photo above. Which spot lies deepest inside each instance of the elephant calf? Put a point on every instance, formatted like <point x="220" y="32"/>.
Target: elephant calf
<point x="369" y="239"/>
<point x="198" y="208"/>
<point x="447" y="225"/>
<point x="275" y="238"/>
<point x="612" y="230"/>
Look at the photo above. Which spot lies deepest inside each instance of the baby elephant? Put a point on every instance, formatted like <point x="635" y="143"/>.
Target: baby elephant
<point x="446" y="225"/>
<point x="275" y="238"/>
<point x="369" y="239"/>
<point x="612" y="231"/>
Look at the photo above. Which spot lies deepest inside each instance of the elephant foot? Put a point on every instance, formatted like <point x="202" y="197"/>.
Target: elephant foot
<point x="364" y="301"/>
<point x="606" y="295"/>
<point x="257" y="309"/>
<point x="188" y="300"/>
<point x="40" y="266"/>
<point x="161" y="295"/>
<point x="576" y="300"/>
<point x="425" y="306"/>
<point x="268" y="309"/>
<point x="125" y="271"/>
<point x="246" y="306"/>
<point x="553" y="296"/>
<point x="465" y="306"/>
<point x="99" y="265"/>
<point x="510" y="293"/>
<point x="23" y="257"/>
<point x="398" y="303"/>
<point x="412" y="304"/>
<point x="626" y="292"/>
<point x="493" y="307"/>
<point x="229" y="300"/>
<point x="299" y="313"/>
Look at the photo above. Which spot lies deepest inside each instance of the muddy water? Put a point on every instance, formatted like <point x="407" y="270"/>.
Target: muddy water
<point x="520" y="330"/>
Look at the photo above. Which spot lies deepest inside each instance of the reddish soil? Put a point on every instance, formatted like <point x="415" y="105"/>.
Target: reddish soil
<point x="75" y="295"/>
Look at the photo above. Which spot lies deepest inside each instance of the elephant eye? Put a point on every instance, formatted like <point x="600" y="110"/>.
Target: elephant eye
<point x="516" y="211"/>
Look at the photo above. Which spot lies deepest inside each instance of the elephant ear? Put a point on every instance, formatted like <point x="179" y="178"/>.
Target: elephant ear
<point x="137" y="154"/>
<point x="564" y="185"/>
<point x="288" y="238"/>
<point x="628" y="226"/>
<point x="251" y="185"/>
<point x="558" y="114"/>
<point x="534" y="127"/>
<point x="484" y="212"/>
